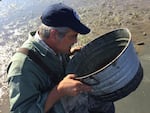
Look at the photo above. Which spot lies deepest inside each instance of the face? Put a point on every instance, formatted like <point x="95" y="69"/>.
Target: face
<point x="64" y="44"/>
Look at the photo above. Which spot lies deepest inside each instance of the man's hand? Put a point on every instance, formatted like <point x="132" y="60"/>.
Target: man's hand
<point x="68" y="86"/>
<point x="71" y="87"/>
<point x="74" y="50"/>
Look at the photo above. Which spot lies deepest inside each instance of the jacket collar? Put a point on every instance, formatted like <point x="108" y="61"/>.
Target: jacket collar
<point x="39" y="44"/>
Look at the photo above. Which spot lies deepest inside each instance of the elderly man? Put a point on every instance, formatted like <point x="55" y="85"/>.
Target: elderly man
<point x="36" y="74"/>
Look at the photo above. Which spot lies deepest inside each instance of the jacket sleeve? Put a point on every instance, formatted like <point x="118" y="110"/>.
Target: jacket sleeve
<point x="25" y="97"/>
<point x="28" y="88"/>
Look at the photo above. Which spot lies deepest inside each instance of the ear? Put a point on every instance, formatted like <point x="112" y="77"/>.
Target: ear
<point x="53" y="34"/>
<point x="52" y="38"/>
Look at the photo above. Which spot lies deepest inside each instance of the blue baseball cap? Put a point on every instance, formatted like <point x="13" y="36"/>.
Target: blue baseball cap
<point x="61" y="15"/>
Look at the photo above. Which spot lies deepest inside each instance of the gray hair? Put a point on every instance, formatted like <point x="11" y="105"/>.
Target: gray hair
<point x="44" y="31"/>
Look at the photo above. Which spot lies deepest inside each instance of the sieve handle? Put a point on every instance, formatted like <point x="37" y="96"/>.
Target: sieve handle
<point x="86" y="81"/>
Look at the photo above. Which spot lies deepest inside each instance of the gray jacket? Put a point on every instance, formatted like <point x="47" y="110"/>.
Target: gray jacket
<point x="29" y="85"/>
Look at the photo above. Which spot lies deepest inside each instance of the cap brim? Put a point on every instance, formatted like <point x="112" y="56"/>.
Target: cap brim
<point x="80" y="28"/>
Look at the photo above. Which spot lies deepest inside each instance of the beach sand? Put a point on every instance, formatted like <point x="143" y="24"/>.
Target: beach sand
<point x="102" y="18"/>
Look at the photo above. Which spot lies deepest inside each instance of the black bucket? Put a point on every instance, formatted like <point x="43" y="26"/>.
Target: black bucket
<point x="109" y="64"/>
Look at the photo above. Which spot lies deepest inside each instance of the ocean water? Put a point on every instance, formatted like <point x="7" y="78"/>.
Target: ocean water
<point x="17" y="18"/>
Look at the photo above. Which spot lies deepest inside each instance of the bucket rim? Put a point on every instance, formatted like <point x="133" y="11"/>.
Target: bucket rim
<point x="116" y="58"/>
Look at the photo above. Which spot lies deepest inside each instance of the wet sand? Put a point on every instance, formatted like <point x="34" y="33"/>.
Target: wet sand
<point x="101" y="16"/>
<point x="134" y="15"/>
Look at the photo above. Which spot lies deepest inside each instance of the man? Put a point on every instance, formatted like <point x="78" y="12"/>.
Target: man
<point x="36" y="74"/>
